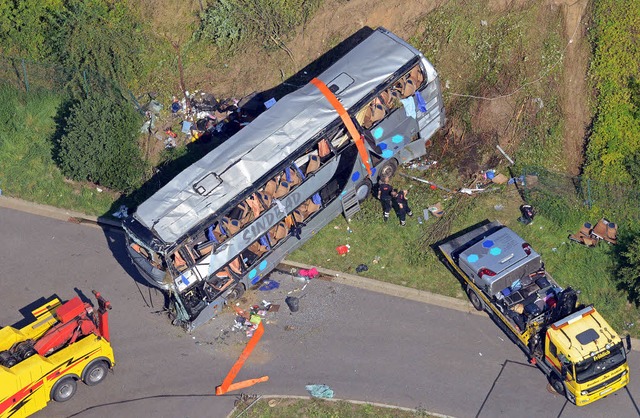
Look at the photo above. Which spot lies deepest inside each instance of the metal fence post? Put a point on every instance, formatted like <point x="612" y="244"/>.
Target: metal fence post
<point x="524" y="183"/>
<point x="26" y="78"/>
<point x="86" y="85"/>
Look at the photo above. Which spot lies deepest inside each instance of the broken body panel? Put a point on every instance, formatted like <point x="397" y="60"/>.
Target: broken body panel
<point x="574" y="346"/>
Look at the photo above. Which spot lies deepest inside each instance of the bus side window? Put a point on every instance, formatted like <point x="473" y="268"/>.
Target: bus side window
<point x="323" y="149"/>
<point x="313" y="165"/>
<point x="307" y="208"/>
<point x="221" y="279"/>
<point x="243" y="213"/>
<point x="416" y="75"/>
<point x="253" y="202"/>
<point x="278" y="232"/>
<point x="179" y="261"/>
<point x="374" y="113"/>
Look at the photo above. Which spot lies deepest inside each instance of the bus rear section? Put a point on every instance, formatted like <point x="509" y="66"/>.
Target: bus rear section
<point x="225" y="222"/>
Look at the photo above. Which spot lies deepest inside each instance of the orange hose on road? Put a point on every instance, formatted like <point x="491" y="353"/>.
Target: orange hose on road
<point x="227" y="383"/>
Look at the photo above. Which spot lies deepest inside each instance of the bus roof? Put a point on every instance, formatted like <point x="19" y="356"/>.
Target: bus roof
<point x="251" y="153"/>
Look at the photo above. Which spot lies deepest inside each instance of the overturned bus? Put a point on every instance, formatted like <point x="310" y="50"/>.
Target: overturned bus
<point x="226" y="221"/>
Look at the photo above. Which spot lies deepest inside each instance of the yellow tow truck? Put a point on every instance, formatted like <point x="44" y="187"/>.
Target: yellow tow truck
<point x="44" y="360"/>
<point x="582" y="356"/>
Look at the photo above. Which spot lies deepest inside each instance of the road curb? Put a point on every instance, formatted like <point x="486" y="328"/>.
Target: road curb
<point x="56" y="213"/>
<point x="381" y="405"/>
<point x="390" y="289"/>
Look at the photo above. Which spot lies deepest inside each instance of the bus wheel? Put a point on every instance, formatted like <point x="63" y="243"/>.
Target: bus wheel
<point x="363" y="189"/>
<point x="475" y="300"/>
<point x="388" y="169"/>
<point x="95" y="373"/>
<point x="64" y="389"/>
<point x="236" y="293"/>
<point x="557" y="385"/>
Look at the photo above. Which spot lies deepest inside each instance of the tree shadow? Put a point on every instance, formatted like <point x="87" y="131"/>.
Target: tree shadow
<point x="629" y="285"/>
<point x="60" y="119"/>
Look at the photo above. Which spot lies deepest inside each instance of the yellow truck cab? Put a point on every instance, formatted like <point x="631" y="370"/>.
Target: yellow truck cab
<point x="44" y="359"/>
<point x="582" y="356"/>
<point x="588" y="354"/>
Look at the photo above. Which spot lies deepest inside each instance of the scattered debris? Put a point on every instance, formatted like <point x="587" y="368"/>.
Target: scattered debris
<point x="269" y="285"/>
<point x="361" y="268"/>
<point x="311" y="273"/>
<point x="319" y="391"/>
<point x="343" y="249"/>
<point x="293" y="303"/>
<point x="527" y="214"/>
<point x="436" y="210"/>
<point x="121" y="213"/>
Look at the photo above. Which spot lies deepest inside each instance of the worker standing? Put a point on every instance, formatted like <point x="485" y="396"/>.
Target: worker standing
<point x="384" y="195"/>
<point x="402" y="205"/>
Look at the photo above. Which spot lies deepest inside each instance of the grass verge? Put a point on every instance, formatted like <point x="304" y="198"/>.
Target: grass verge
<point x="311" y="408"/>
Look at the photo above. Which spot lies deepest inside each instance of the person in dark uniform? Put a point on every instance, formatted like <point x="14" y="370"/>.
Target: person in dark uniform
<point x="402" y="205"/>
<point x="384" y="195"/>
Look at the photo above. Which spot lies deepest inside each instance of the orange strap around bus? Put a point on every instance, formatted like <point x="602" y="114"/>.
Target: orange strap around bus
<point x="357" y="137"/>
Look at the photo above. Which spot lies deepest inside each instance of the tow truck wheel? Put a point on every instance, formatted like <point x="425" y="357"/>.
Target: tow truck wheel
<point x="64" y="389"/>
<point x="475" y="300"/>
<point x="557" y="386"/>
<point x="95" y="373"/>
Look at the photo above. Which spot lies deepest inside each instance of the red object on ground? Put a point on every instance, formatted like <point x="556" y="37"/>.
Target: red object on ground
<point x="342" y="249"/>
<point x="312" y="273"/>
<point x="433" y="187"/>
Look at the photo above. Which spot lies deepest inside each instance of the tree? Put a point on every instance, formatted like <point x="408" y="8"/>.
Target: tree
<point x="24" y="27"/>
<point x="100" y="143"/>
<point x="629" y="271"/>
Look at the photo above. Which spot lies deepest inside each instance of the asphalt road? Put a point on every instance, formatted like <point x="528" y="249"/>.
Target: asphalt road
<point x="364" y="345"/>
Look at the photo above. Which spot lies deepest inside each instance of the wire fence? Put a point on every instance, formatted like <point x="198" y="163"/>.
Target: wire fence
<point x="27" y="76"/>
<point x="570" y="199"/>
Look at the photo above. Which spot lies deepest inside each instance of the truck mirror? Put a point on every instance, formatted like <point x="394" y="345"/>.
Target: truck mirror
<point x="564" y="372"/>
<point x="628" y="339"/>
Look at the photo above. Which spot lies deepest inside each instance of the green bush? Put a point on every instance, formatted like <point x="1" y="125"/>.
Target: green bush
<point x="614" y="66"/>
<point x="100" y="143"/>
<point x="232" y="23"/>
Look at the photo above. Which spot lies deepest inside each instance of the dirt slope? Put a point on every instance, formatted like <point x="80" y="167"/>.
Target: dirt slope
<point x="338" y="19"/>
